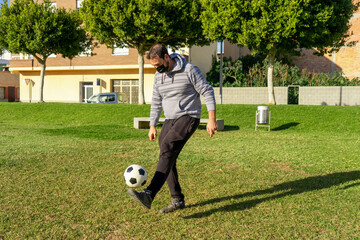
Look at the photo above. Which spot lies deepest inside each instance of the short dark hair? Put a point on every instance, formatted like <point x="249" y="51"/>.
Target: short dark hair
<point x="157" y="50"/>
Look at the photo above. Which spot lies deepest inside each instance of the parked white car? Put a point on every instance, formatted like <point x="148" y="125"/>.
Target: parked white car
<point x="113" y="97"/>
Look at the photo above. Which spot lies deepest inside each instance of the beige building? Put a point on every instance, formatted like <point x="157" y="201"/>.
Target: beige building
<point x="77" y="79"/>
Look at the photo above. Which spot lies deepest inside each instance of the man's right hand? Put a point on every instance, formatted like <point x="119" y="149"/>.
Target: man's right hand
<point x="152" y="133"/>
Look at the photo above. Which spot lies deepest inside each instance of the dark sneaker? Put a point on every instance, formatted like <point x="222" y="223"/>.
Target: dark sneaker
<point x="174" y="205"/>
<point x="144" y="197"/>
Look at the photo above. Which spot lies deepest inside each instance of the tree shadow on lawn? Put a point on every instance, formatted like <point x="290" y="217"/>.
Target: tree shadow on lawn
<point x="282" y="190"/>
<point x="286" y="126"/>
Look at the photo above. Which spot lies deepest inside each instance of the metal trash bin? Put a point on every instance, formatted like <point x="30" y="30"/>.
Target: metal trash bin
<point x="262" y="117"/>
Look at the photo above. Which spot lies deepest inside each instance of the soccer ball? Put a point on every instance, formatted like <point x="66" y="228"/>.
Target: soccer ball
<point x="135" y="176"/>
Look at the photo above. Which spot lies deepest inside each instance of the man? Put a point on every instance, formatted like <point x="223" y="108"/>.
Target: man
<point x="177" y="88"/>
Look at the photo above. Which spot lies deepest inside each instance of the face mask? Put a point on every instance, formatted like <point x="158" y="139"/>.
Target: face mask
<point x="162" y="69"/>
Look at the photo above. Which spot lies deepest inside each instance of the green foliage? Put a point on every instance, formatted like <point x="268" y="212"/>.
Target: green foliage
<point x="41" y="30"/>
<point x="234" y="72"/>
<point x="250" y="71"/>
<point x="287" y="25"/>
<point x="142" y="23"/>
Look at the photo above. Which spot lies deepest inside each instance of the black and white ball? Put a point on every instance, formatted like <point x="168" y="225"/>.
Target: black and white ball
<point x="135" y="176"/>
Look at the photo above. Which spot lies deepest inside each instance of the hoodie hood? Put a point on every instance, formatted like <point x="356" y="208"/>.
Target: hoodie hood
<point x="179" y="62"/>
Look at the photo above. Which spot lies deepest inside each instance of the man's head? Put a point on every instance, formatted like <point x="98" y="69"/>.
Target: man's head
<point x="157" y="50"/>
<point x="159" y="58"/>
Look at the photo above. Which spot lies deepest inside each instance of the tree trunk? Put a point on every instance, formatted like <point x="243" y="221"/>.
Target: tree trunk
<point x="42" y="77"/>
<point x="141" y="76"/>
<point x="271" y="93"/>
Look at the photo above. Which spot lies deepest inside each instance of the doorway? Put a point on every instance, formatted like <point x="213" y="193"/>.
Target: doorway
<point x="87" y="91"/>
<point x="11" y="94"/>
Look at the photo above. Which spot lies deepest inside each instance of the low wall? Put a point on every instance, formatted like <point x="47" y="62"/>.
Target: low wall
<point x="336" y="96"/>
<point x="250" y="95"/>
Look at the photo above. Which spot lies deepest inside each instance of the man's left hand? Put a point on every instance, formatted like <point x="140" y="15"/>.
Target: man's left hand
<point x="211" y="127"/>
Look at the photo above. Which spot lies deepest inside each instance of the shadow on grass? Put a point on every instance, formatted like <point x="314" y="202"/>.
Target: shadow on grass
<point x="286" y="126"/>
<point x="231" y="128"/>
<point x="280" y="190"/>
<point x="98" y="132"/>
<point x="226" y="128"/>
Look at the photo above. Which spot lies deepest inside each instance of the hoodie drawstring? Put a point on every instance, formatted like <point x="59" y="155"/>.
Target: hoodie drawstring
<point x="172" y="78"/>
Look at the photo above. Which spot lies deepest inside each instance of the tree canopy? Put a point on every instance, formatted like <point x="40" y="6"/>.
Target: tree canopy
<point x="41" y="30"/>
<point x="279" y="25"/>
<point x="142" y="23"/>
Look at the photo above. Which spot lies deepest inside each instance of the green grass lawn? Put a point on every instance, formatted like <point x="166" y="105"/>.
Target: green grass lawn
<point x="61" y="174"/>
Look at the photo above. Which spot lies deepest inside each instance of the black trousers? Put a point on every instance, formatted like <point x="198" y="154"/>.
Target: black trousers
<point x="173" y="136"/>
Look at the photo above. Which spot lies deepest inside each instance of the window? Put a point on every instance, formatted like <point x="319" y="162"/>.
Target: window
<point x="219" y="43"/>
<point x="129" y="87"/>
<point x="120" y="51"/>
<point x="6" y="55"/>
<point x="87" y="90"/>
<point x="24" y="56"/>
<point x="180" y="51"/>
<point x="53" y="4"/>
<point x="86" y="53"/>
<point x="79" y="3"/>
<point x="109" y="98"/>
<point x="103" y="98"/>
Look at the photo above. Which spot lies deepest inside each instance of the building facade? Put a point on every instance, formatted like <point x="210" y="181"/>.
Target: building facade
<point x="9" y="87"/>
<point x="102" y="70"/>
<point x="77" y="79"/>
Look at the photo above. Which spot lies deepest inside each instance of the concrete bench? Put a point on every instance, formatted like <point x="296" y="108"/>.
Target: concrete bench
<point x="144" y="122"/>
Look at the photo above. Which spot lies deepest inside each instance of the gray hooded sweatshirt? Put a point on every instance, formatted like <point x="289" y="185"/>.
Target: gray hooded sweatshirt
<point x="177" y="92"/>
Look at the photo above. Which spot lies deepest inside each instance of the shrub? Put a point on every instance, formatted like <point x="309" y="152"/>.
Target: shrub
<point x="251" y="71"/>
<point x="234" y="72"/>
